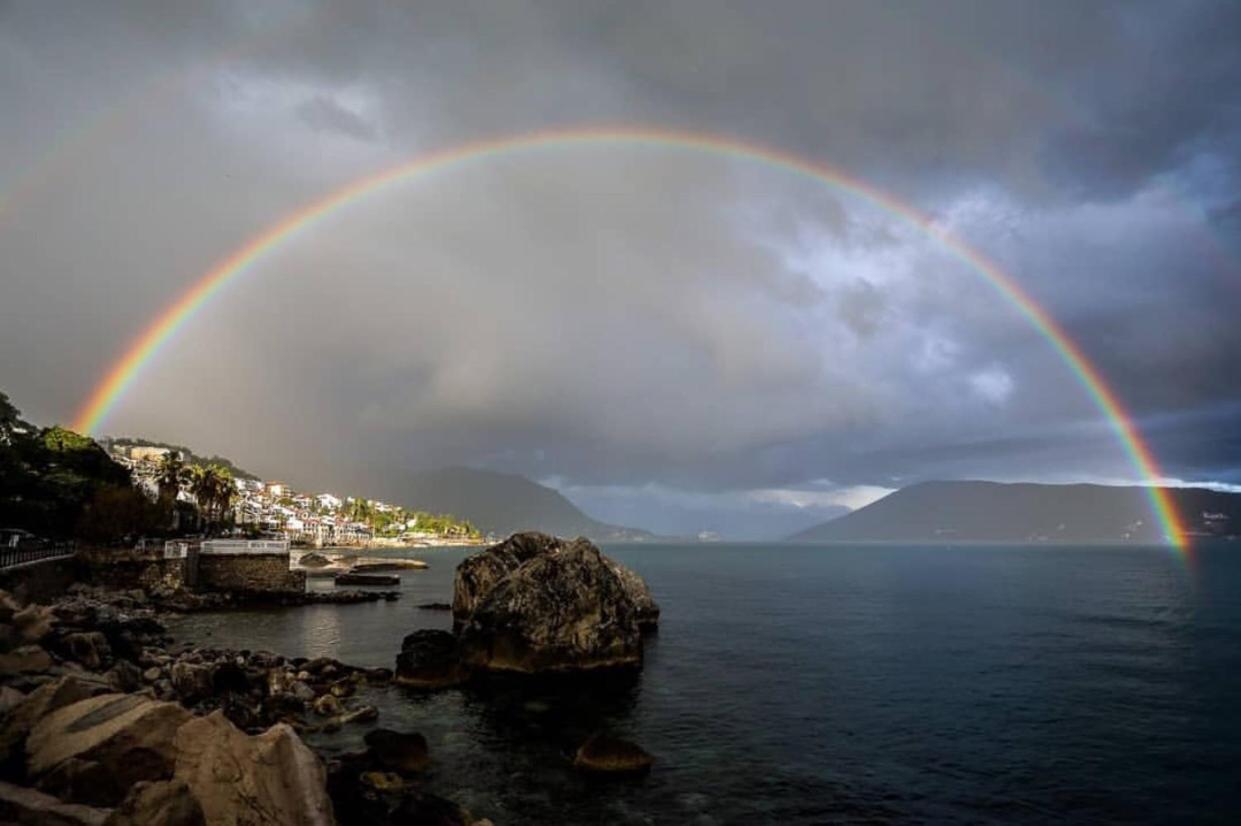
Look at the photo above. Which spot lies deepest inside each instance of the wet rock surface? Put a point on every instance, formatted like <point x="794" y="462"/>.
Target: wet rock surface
<point x="604" y="754"/>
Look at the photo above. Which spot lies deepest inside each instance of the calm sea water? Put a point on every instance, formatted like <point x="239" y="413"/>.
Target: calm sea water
<point x="848" y="684"/>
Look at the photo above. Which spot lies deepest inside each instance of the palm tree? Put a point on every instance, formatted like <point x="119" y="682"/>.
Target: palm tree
<point x="224" y="492"/>
<point x="171" y="473"/>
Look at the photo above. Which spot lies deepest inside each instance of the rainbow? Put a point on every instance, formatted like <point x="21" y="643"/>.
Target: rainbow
<point x="125" y="372"/>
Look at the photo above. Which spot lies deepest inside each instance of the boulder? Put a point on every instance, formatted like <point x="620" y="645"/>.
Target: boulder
<point x="328" y="705"/>
<point x="479" y="573"/>
<point x="27" y="806"/>
<point x="34" y="622"/>
<point x="90" y="648"/>
<point x="271" y="778"/>
<point x="166" y="802"/>
<point x="10" y="698"/>
<point x="124" y="676"/>
<point x="131" y="736"/>
<point x="563" y="608"/>
<point x="192" y="682"/>
<point x="39" y="703"/>
<point x="429" y="659"/>
<point x="611" y="755"/>
<point x="28" y="659"/>
<point x="395" y="751"/>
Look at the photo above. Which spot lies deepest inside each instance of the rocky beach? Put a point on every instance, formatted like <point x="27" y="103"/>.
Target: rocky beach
<point x="107" y="719"/>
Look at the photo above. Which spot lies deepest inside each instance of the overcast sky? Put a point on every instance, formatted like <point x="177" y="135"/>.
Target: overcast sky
<point x="678" y="340"/>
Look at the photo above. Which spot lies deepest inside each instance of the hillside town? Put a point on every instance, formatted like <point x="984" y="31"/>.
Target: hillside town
<point x="241" y="504"/>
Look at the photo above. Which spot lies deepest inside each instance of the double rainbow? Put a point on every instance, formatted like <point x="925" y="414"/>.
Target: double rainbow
<point x="125" y="372"/>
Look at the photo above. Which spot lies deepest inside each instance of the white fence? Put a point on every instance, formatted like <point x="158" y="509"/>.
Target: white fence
<point x="176" y="549"/>
<point x="231" y="547"/>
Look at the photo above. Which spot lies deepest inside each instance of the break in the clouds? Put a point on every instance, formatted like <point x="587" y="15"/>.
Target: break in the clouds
<point x="681" y="341"/>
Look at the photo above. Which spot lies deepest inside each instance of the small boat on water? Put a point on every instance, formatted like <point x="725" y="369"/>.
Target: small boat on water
<point x="367" y="579"/>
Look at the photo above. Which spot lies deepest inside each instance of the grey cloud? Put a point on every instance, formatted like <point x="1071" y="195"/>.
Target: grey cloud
<point x="622" y="317"/>
<point x="323" y="113"/>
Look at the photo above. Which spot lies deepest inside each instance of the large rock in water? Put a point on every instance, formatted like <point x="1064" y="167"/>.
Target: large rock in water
<point x="536" y="603"/>
<point x="238" y="780"/>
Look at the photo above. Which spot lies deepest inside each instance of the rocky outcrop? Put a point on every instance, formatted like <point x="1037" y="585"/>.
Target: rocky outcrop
<point x="611" y="755"/>
<point x="272" y="778"/>
<point x="646" y="610"/>
<point x="478" y="574"/>
<point x="535" y="603"/>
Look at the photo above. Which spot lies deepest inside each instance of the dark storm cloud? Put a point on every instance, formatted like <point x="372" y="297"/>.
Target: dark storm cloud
<point x="658" y="331"/>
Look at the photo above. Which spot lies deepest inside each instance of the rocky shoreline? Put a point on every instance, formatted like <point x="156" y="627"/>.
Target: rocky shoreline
<point x="103" y="719"/>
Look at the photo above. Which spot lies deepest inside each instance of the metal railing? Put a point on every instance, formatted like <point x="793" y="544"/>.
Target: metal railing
<point x="21" y="554"/>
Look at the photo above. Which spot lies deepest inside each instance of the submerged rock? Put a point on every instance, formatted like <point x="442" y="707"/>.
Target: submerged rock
<point x="429" y="659"/>
<point x="394" y="751"/>
<point x="612" y="755"/>
<point x="535" y="603"/>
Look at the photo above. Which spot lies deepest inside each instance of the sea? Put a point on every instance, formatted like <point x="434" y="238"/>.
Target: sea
<point x="799" y="684"/>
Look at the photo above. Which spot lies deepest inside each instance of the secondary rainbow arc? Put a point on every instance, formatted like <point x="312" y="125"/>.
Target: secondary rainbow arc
<point x="124" y="372"/>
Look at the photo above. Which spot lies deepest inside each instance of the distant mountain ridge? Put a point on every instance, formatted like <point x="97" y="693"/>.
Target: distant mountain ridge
<point x="504" y="503"/>
<point x="970" y="511"/>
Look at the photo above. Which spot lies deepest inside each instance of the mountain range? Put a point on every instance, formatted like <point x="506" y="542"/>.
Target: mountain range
<point x="503" y="503"/>
<point x="970" y="511"/>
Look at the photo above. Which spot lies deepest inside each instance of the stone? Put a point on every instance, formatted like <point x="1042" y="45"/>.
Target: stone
<point x="28" y="806"/>
<point x="271" y="778"/>
<point x="327" y="706"/>
<point x="16" y="725"/>
<point x="429" y="659"/>
<point x="562" y="609"/>
<point x="152" y="674"/>
<point x="90" y="648"/>
<point x="395" y="751"/>
<point x="386" y="782"/>
<point x="8" y="607"/>
<point x="302" y="691"/>
<point x="362" y="714"/>
<point x="166" y="802"/>
<point x="82" y="781"/>
<point x="192" y="682"/>
<point x="131" y="736"/>
<point x="27" y="659"/>
<point x="435" y="606"/>
<point x="9" y="699"/>
<point x="611" y="755"/>
<point x="34" y="622"/>
<point x="124" y="677"/>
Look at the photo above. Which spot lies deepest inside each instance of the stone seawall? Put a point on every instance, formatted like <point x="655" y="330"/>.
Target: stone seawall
<point x="122" y="568"/>
<point x="40" y="581"/>
<point x="249" y="572"/>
